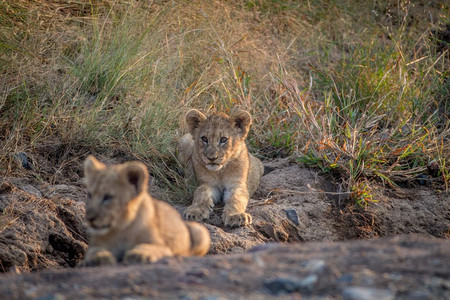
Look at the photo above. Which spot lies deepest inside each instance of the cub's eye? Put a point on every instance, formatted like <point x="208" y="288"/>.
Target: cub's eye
<point x="107" y="198"/>
<point x="223" y="140"/>
<point x="204" y="139"/>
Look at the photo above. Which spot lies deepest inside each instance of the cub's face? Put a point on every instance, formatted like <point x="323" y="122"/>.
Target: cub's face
<point x="111" y="191"/>
<point x="218" y="137"/>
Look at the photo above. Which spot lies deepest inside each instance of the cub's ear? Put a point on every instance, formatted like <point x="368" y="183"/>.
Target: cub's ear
<point x="193" y="120"/>
<point x="136" y="174"/>
<point x="241" y="120"/>
<point x="91" y="165"/>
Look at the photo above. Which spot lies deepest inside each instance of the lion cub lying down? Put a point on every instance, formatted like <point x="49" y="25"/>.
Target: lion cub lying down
<point x="215" y="150"/>
<point x="127" y="224"/>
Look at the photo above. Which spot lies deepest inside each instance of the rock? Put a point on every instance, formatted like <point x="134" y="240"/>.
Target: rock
<point x="23" y="160"/>
<point x="28" y="188"/>
<point x="40" y="232"/>
<point x="364" y="293"/>
<point x="345" y="279"/>
<point x="283" y="285"/>
<point x="405" y="267"/>
<point x="200" y="273"/>
<point x="423" y="179"/>
<point x="292" y="215"/>
<point x="56" y="296"/>
<point x="314" y="265"/>
<point x="419" y="295"/>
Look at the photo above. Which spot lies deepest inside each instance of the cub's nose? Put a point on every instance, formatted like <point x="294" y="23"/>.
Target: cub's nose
<point x="212" y="159"/>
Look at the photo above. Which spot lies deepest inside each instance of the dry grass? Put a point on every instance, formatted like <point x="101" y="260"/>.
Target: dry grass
<point x="359" y="89"/>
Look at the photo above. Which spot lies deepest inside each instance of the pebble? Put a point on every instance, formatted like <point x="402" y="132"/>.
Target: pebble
<point x="345" y="279"/>
<point x="199" y="273"/>
<point x="284" y="285"/>
<point x="292" y="215"/>
<point x="55" y="296"/>
<point x="420" y="295"/>
<point x="212" y="298"/>
<point x="363" y="293"/>
<point x="314" y="265"/>
<point x="22" y="158"/>
<point x="31" y="190"/>
<point x="422" y="179"/>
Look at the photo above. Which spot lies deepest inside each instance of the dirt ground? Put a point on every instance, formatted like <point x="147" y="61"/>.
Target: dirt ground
<point x="402" y="267"/>
<point x="42" y="227"/>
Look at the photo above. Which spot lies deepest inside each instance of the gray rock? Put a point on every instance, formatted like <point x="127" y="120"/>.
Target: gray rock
<point x="292" y="215"/>
<point x="345" y="279"/>
<point x="420" y="295"/>
<point x="314" y="265"/>
<point x="55" y="296"/>
<point x="283" y="285"/>
<point x="22" y="159"/>
<point x="31" y="190"/>
<point x="364" y="293"/>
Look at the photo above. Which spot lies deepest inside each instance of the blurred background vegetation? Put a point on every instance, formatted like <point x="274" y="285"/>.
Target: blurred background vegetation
<point x="358" y="89"/>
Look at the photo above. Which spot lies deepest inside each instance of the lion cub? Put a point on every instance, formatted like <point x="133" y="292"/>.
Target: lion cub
<point x="215" y="151"/>
<point x="127" y="224"/>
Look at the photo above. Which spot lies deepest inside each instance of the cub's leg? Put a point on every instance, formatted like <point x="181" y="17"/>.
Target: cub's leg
<point x="200" y="239"/>
<point x="184" y="155"/>
<point x="185" y="149"/>
<point x="203" y="203"/>
<point x="97" y="257"/>
<point x="144" y="253"/>
<point x="236" y="201"/>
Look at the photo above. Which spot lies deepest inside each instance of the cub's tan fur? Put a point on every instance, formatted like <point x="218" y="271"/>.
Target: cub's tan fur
<point x="215" y="151"/>
<point x="127" y="224"/>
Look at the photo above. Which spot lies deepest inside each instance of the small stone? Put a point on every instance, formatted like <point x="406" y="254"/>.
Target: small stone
<point x="345" y="279"/>
<point x="314" y="265"/>
<point x="23" y="160"/>
<point x="292" y="215"/>
<point x="308" y="282"/>
<point x="281" y="286"/>
<point x="259" y="261"/>
<point x="420" y="295"/>
<point x="285" y="285"/>
<point x="31" y="190"/>
<point x="422" y="179"/>
<point x="200" y="273"/>
<point x="212" y="298"/>
<point x="358" y="293"/>
<point x="56" y="296"/>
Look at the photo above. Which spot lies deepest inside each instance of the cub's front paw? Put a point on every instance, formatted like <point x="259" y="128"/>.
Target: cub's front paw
<point x="138" y="256"/>
<point x="239" y="219"/>
<point x="99" y="258"/>
<point x="146" y="254"/>
<point x="197" y="213"/>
